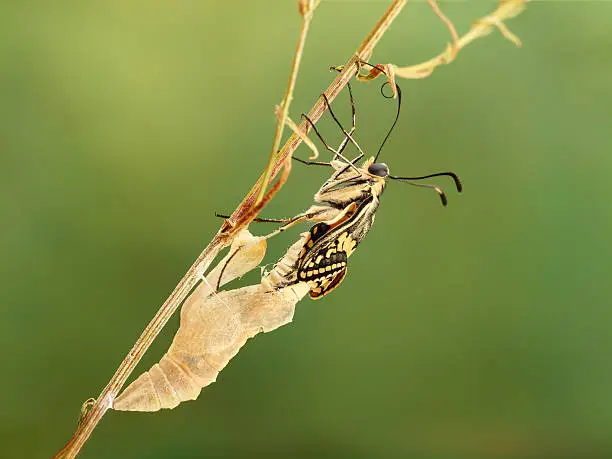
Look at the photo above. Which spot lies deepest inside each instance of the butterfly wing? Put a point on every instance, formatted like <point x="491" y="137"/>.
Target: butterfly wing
<point x="326" y="284"/>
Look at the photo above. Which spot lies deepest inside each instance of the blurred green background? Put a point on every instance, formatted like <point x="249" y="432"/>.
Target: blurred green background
<point x="480" y="330"/>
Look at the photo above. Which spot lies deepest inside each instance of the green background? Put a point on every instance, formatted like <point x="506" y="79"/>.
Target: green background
<point x="480" y="330"/>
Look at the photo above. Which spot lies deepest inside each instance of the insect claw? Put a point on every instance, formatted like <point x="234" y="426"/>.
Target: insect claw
<point x="327" y="104"/>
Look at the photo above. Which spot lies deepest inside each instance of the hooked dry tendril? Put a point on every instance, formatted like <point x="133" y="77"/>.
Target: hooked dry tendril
<point x="507" y="9"/>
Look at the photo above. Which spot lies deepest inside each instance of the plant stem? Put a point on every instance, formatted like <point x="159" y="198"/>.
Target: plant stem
<point x="221" y="239"/>
<point x="282" y="118"/>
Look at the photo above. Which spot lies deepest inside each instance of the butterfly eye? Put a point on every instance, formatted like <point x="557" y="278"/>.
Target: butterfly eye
<point x="378" y="169"/>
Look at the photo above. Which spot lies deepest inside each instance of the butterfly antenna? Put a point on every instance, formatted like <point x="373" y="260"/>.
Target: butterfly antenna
<point x="399" y="106"/>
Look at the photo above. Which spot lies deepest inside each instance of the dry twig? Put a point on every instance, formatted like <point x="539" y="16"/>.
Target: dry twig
<point x="306" y="8"/>
<point x="507" y="9"/>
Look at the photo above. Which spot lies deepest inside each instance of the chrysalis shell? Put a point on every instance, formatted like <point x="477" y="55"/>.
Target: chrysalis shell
<point x="213" y="329"/>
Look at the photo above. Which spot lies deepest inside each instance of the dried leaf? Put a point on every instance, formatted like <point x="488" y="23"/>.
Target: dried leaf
<point x="246" y="253"/>
<point x="387" y="69"/>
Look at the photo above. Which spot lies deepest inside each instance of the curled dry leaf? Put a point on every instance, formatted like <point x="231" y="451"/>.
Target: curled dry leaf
<point x="214" y="326"/>
<point x="386" y="69"/>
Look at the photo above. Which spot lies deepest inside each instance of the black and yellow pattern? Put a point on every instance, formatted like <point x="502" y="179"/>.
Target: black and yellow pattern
<point x="323" y="259"/>
<point x="327" y="268"/>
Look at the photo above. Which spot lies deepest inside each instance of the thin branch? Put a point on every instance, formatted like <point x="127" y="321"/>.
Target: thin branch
<point x="448" y="23"/>
<point x="306" y="8"/>
<point x="239" y="219"/>
<point x="507" y="9"/>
